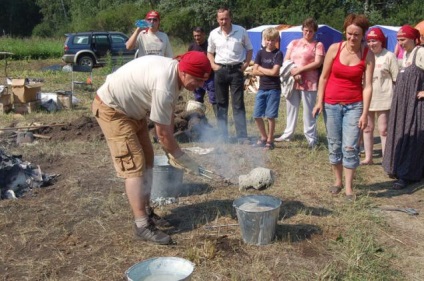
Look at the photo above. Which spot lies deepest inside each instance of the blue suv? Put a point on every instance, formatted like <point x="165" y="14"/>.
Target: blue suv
<point x="92" y="48"/>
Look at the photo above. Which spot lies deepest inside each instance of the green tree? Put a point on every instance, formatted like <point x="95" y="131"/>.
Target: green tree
<point x="19" y="17"/>
<point x="112" y="19"/>
<point x="178" y="16"/>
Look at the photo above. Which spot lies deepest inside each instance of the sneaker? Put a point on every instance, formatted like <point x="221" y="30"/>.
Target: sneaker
<point x="280" y="139"/>
<point x="152" y="234"/>
<point x="158" y="220"/>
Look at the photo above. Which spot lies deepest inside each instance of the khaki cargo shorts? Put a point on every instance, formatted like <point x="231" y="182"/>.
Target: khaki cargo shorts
<point x="128" y="140"/>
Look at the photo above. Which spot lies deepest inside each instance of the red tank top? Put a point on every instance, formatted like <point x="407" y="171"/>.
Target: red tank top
<point x="345" y="82"/>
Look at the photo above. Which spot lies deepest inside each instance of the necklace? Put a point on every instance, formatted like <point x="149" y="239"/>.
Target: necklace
<point x="350" y="51"/>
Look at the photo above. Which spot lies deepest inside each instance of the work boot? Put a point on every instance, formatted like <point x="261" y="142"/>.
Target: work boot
<point x="152" y="234"/>
<point x="156" y="219"/>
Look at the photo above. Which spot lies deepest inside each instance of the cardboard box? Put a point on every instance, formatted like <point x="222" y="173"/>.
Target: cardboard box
<point x="29" y="107"/>
<point x="24" y="92"/>
<point x="5" y="108"/>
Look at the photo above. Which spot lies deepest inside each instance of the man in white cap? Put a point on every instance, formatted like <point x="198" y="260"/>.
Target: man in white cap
<point x="150" y="84"/>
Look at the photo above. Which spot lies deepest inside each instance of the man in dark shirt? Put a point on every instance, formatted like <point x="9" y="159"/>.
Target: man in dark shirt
<point x="201" y="44"/>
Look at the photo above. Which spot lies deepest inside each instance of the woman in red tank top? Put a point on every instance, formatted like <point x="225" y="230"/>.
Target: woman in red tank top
<point x="344" y="95"/>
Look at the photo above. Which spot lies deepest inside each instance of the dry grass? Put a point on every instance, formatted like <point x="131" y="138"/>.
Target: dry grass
<point x="80" y="228"/>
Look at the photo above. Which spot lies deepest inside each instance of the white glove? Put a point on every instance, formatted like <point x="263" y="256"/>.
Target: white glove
<point x="184" y="162"/>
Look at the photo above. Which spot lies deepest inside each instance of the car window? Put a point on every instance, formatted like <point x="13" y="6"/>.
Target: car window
<point x="116" y="38"/>
<point x="80" y="39"/>
<point x="101" y="39"/>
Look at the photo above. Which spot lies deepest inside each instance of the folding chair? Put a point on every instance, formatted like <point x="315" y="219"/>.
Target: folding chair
<point x="88" y="80"/>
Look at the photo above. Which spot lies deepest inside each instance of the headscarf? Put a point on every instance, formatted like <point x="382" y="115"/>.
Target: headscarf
<point x="407" y="31"/>
<point x="195" y="63"/>
<point x="377" y="34"/>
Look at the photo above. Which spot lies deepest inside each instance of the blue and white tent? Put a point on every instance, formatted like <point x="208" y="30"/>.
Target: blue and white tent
<point x="255" y="36"/>
<point x="325" y="34"/>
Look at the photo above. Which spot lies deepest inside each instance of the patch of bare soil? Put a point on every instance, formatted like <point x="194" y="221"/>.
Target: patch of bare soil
<point x="80" y="228"/>
<point x="83" y="128"/>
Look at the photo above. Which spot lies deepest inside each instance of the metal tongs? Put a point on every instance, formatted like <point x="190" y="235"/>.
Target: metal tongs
<point x="212" y="175"/>
<point x="409" y="211"/>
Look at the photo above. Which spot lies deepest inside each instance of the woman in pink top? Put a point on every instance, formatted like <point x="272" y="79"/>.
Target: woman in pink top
<point x="308" y="55"/>
<point x="344" y="96"/>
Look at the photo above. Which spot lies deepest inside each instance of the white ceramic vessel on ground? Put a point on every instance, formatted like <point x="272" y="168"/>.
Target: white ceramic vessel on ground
<point x="161" y="269"/>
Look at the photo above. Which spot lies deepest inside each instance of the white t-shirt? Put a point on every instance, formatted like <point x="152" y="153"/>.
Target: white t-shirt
<point x="231" y="48"/>
<point x="385" y="72"/>
<point x="408" y="57"/>
<point x="149" y="43"/>
<point x="146" y="84"/>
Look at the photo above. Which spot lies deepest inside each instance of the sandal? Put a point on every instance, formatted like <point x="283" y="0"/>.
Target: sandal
<point x="335" y="189"/>
<point x="269" y="146"/>
<point x="350" y="197"/>
<point x="259" y="143"/>
<point x="400" y="184"/>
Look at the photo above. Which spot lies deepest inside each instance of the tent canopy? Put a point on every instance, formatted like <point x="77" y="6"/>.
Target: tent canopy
<point x="325" y="34"/>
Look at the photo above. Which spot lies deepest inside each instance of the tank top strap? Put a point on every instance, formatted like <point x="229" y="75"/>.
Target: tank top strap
<point x="365" y="53"/>
<point x="339" y="50"/>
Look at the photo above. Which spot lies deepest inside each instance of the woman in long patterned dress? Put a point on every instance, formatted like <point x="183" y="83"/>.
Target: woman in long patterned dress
<point x="404" y="152"/>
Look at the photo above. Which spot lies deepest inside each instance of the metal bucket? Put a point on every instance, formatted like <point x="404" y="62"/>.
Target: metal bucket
<point x="257" y="216"/>
<point x="166" y="179"/>
<point x="161" y="269"/>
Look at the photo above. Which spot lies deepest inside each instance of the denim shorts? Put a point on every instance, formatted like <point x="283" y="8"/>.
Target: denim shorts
<point x="341" y="122"/>
<point x="267" y="104"/>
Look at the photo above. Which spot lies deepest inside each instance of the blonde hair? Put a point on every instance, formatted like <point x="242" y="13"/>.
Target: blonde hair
<point x="270" y="33"/>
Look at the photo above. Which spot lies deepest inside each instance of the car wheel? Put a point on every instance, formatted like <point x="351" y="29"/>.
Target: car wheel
<point x="86" y="60"/>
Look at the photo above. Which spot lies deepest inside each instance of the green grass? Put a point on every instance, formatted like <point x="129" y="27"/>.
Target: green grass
<point x="32" y="48"/>
<point x="350" y="246"/>
<point x="47" y="48"/>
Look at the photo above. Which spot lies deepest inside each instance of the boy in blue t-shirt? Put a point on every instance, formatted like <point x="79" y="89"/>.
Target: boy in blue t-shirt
<point x="267" y="65"/>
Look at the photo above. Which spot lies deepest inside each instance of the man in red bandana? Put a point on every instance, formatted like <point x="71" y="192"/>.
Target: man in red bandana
<point x="150" y="41"/>
<point x="149" y="84"/>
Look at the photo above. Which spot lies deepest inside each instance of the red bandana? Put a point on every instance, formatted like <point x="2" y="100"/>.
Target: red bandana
<point x="196" y="64"/>
<point x="377" y="34"/>
<point x="409" y="32"/>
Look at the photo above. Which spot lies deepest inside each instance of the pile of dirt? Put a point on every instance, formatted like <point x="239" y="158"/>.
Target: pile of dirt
<point x="83" y="128"/>
<point x="188" y="126"/>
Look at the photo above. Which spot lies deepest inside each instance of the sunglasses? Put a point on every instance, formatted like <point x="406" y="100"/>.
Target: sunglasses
<point x="153" y="19"/>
